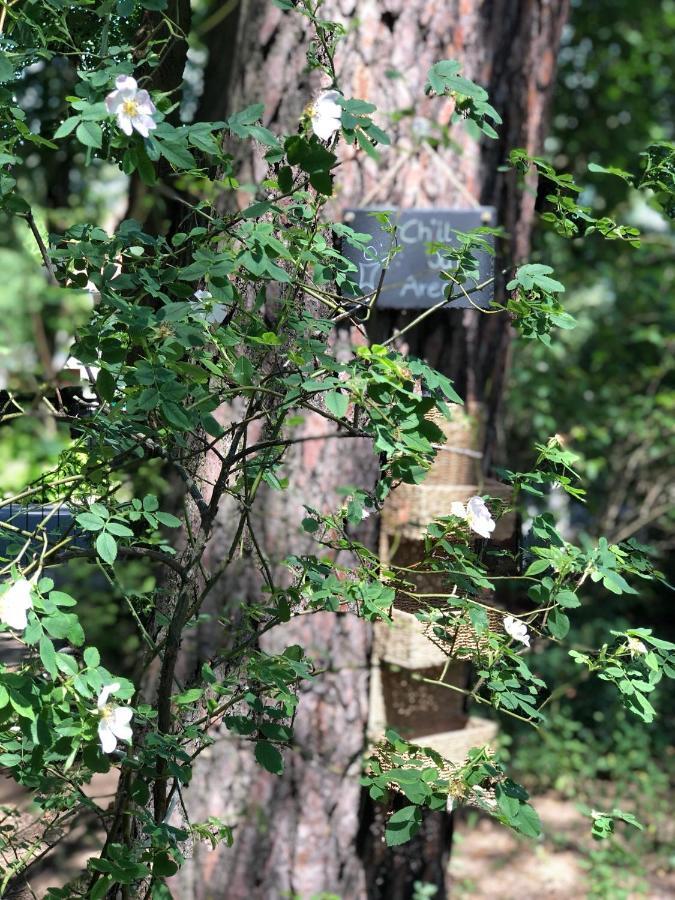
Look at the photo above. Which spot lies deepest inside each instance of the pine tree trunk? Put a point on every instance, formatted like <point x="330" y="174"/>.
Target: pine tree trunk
<point x="312" y="830"/>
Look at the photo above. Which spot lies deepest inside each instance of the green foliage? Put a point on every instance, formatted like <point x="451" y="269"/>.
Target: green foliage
<point x="606" y="387"/>
<point x="603" y="823"/>
<point x="471" y="100"/>
<point x="426" y="781"/>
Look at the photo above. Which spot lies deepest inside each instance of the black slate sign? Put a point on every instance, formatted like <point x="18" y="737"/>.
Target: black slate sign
<point x="412" y="280"/>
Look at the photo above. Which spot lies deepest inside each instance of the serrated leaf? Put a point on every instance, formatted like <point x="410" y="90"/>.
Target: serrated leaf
<point x="568" y="599"/>
<point x="168" y="520"/>
<point x="188" y="697"/>
<point x="106" y="547"/>
<point x="89" y="134"/>
<point x="92" y="657"/>
<point x="119" y="530"/>
<point x="269" y="757"/>
<point x="48" y="656"/>
<point x="66" y="127"/>
<point x="337" y="403"/>
<point x="6" y="68"/>
<point x="90" y="521"/>
<point x="403" y="826"/>
<point x="105" y="385"/>
<point x="22" y="705"/>
<point x="59" y="598"/>
<point x="175" y="416"/>
<point x="243" y="371"/>
<point x="558" y="624"/>
<point x="527" y="821"/>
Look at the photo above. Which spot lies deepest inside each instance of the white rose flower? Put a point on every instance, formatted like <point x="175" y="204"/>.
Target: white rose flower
<point x="15" y="603"/>
<point x="326" y="115"/>
<point x="476" y="514"/>
<point x="635" y="645"/>
<point x="517" y="630"/>
<point x="215" y="312"/>
<point x="114" y="720"/>
<point x="133" y="108"/>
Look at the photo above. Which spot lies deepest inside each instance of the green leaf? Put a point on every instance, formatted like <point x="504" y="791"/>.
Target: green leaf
<point x="188" y="697"/>
<point x="322" y="182"/>
<point x="269" y="757"/>
<point x="243" y="371"/>
<point x="168" y="520"/>
<point x="10" y="760"/>
<point x="64" y="625"/>
<point x="403" y="825"/>
<point x="101" y="888"/>
<point x="48" y="656"/>
<point x="285" y="179"/>
<point x="92" y="657"/>
<point x="106" y="547"/>
<point x="175" y="416"/>
<point x="568" y="599"/>
<point x="538" y="566"/>
<point x="616" y="583"/>
<point x="105" y="385"/>
<point x="527" y="821"/>
<point x="59" y="598"/>
<point x="558" y="624"/>
<point x="160" y="891"/>
<point x="256" y="209"/>
<point x="90" y="522"/>
<point x="119" y="530"/>
<point x="356" y="107"/>
<point x="176" y="154"/>
<point x="22" y="705"/>
<point x="90" y="134"/>
<point x="337" y="403"/>
<point x="6" y="67"/>
<point x="163" y="865"/>
<point x="611" y="170"/>
<point x="66" y="127"/>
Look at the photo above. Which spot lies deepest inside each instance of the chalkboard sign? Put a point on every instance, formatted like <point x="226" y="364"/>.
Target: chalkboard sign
<point x="413" y="280"/>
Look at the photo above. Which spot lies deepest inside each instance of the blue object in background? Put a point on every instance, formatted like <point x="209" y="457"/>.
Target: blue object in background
<point x="28" y="518"/>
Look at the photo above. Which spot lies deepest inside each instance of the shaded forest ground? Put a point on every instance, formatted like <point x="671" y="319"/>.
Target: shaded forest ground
<point x="489" y="861"/>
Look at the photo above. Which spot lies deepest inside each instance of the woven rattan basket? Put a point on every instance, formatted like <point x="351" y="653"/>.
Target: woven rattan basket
<point x="462" y="640"/>
<point x="410" y="508"/>
<point x="417" y="577"/>
<point x="455" y="745"/>
<point x="401" y="699"/>
<point x="405" y="643"/>
<point x="458" y="457"/>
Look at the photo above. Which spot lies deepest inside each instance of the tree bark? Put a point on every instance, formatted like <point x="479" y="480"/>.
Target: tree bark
<point x="312" y="830"/>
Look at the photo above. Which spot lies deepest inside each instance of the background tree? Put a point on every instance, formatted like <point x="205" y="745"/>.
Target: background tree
<point x="326" y="834"/>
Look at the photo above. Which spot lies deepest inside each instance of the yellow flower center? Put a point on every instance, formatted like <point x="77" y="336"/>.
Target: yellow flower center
<point x="106" y="712"/>
<point x="130" y="108"/>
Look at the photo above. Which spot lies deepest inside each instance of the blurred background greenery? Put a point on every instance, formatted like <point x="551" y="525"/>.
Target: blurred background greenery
<point x="606" y="387"/>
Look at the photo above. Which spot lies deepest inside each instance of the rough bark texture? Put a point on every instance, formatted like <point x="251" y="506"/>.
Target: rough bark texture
<point x="312" y="830"/>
